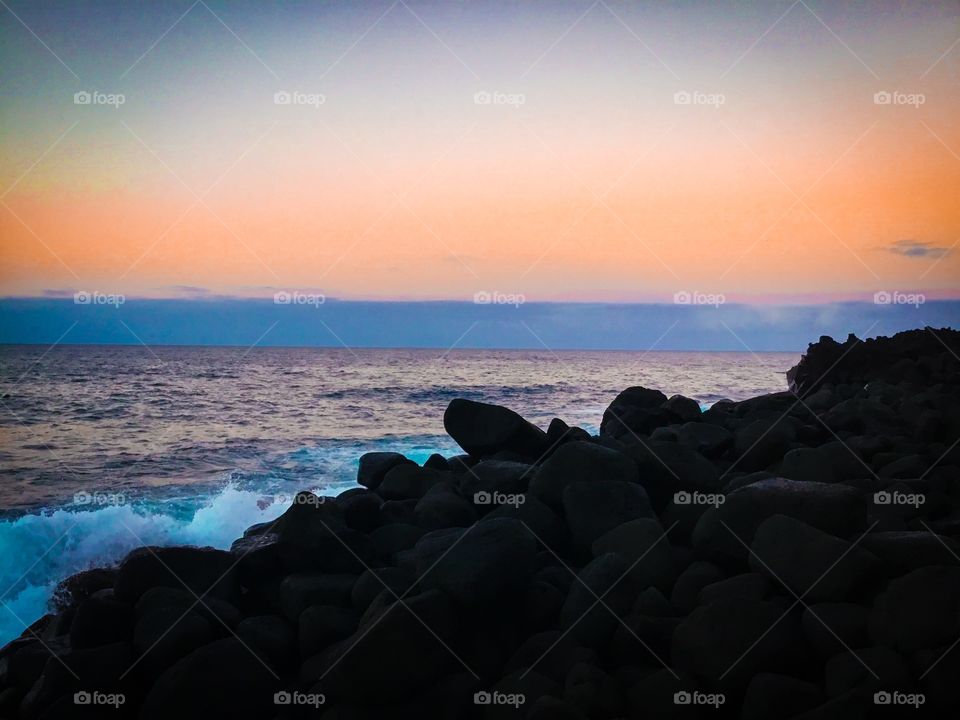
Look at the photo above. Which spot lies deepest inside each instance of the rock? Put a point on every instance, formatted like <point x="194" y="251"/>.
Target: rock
<point x="203" y="571"/>
<point x="594" y="508"/>
<point x="548" y="707"/>
<point x="591" y="622"/>
<point x="770" y="695"/>
<point x="559" y="432"/>
<point x="374" y="466"/>
<point x="592" y="691"/>
<point x="551" y="653"/>
<point x="645" y="546"/>
<point x="166" y="634"/>
<point x="726" y="643"/>
<point x="523" y="689"/>
<point x="79" y="587"/>
<point x="725" y="533"/>
<point x="753" y="586"/>
<point x="636" y="411"/>
<point x="919" y="610"/>
<point x="691" y="582"/>
<point x="322" y="625"/>
<point x="761" y="443"/>
<point x="257" y="558"/>
<point x="642" y="638"/>
<point x="393" y="538"/>
<point x="441" y="507"/>
<point x="687" y="409"/>
<point x="579" y="462"/>
<point x="406" y="482"/>
<point x="436" y="461"/>
<point x="816" y="566"/>
<point x="494" y="477"/>
<point x="550" y="531"/>
<point x="709" y="440"/>
<point x="373" y="582"/>
<point x="270" y="637"/>
<point x="397" y="652"/>
<point x="666" y="468"/>
<point x="831" y="628"/>
<point x="398" y="511"/>
<point x="313" y="536"/>
<point x="488" y="565"/>
<point x="903" y="551"/>
<point x="541" y="605"/>
<point x="361" y="511"/>
<point x="482" y="429"/>
<point x="101" y="619"/>
<point x="222" y="679"/>
<point x="301" y="590"/>
<point x="867" y="670"/>
<point x="655" y="695"/>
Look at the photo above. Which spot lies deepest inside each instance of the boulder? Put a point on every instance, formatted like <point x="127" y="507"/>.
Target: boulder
<point x="725" y="533"/>
<point x="271" y="637"/>
<point x="831" y="628"/>
<point x="482" y="429"/>
<point x="771" y="695"/>
<point x="687" y="409"/>
<point x="726" y="643"/>
<point x="374" y="466"/>
<point x="442" y="507"/>
<point x="815" y="565"/>
<point x="636" y="411"/>
<point x="222" y="679"/>
<point x="299" y="591"/>
<point x="373" y="582"/>
<point x="322" y="625"/>
<point x="361" y="510"/>
<point x="101" y="619"/>
<point x="409" y="482"/>
<point x="594" y="508"/>
<point x="762" y="443"/>
<point x="919" y="610"/>
<point x="597" y="600"/>
<point x="709" y="440"/>
<point x="579" y="462"/>
<point x="203" y="571"/>
<point x="645" y="546"/>
<point x="486" y="565"/>
<point x="393" y="538"/>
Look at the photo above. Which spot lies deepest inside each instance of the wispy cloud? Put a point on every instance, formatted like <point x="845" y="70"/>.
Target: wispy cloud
<point x="917" y="249"/>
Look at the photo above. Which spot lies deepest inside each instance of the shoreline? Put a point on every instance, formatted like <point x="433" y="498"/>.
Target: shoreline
<point x="793" y="550"/>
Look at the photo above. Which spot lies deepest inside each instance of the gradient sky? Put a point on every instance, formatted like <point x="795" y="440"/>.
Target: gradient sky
<point x="598" y="187"/>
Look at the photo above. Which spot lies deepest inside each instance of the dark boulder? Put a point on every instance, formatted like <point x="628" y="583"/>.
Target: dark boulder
<point x="222" y="679"/>
<point x="644" y="544"/>
<point x="602" y="594"/>
<point x="374" y="466"/>
<point x="271" y="637"/>
<point x="687" y="409"/>
<point x="918" y="610"/>
<point x="813" y="564"/>
<point x="443" y="507"/>
<point x="409" y="482"/>
<point x="322" y="625"/>
<point x="831" y="628"/>
<point x="299" y="591"/>
<point x="482" y="429"/>
<point x="595" y="508"/>
<point x="579" y="462"/>
<point x="636" y="411"/>
<point x="203" y="571"/>
<point x="101" y="619"/>
<point x="770" y="695"/>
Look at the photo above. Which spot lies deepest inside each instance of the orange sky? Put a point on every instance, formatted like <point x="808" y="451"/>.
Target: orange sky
<point x="598" y="187"/>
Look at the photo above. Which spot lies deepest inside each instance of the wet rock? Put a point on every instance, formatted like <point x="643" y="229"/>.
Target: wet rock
<point x="374" y="466"/>
<point x="101" y="619"/>
<point x="204" y="571"/>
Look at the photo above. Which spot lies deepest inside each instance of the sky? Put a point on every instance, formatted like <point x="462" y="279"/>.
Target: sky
<point x="775" y="153"/>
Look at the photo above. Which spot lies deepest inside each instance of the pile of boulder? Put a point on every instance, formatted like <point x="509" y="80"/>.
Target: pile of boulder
<point x="794" y="555"/>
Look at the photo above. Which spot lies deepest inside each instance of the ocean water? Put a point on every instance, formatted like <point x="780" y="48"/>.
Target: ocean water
<point x="106" y="448"/>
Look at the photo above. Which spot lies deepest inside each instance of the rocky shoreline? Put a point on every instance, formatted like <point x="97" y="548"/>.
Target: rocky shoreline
<point x="791" y="555"/>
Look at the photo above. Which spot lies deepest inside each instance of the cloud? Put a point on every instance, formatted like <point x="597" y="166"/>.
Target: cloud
<point x="188" y="289"/>
<point x="56" y="293"/>
<point x="917" y="249"/>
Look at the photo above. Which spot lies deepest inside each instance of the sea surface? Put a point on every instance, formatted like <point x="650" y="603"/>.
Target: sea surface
<point x="106" y="448"/>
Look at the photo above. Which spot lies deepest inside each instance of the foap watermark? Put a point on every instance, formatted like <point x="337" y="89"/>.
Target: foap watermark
<point x="295" y="297"/>
<point x="295" y="97"/>
<point x="313" y="700"/>
<point x="514" y="700"/>
<point x="304" y="498"/>
<point x="895" y="497"/>
<point x="884" y="697"/>
<point x="84" y="297"/>
<point x="498" y="498"/>
<point x="895" y="97"/>
<point x="84" y="97"/>
<point x="683" y="697"/>
<point x="85" y="697"/>
<point x="83" y="497"/>
<point x="495" y="297"/>
<point x="696" y="97"/>
<point x="698" y="498"/>
<point x="896" y="297"/>
<point x="688" y="297"/>
<point x="495" y="97"/>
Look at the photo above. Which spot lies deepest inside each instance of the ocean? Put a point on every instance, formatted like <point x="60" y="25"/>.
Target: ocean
<point x="106" y="448"/>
